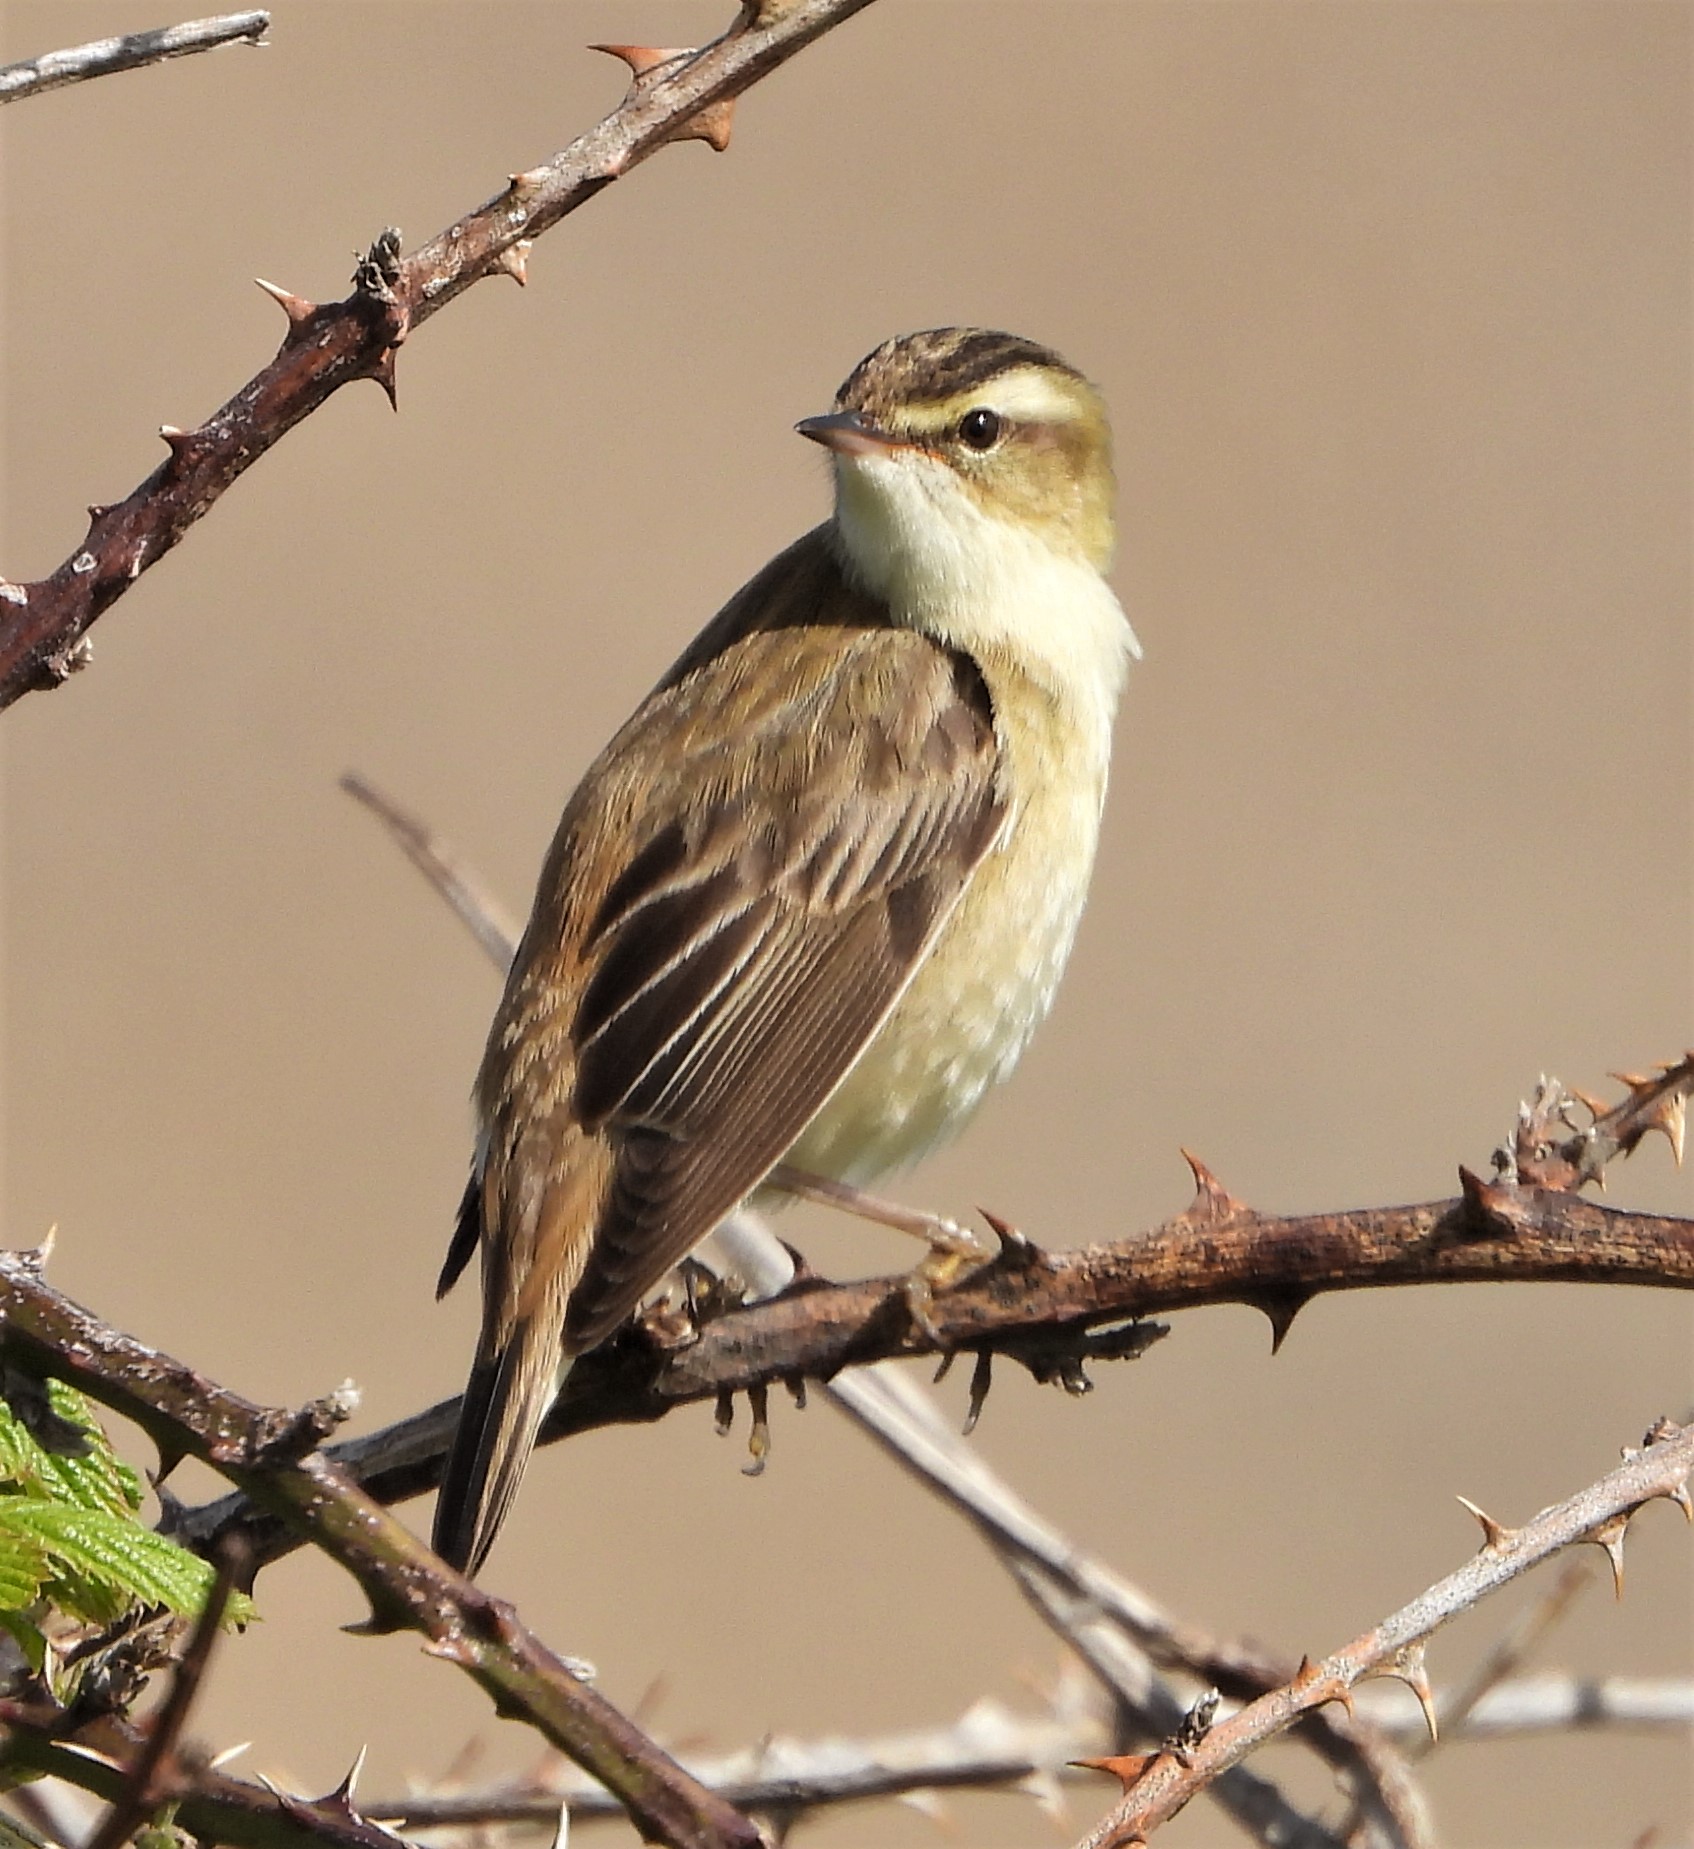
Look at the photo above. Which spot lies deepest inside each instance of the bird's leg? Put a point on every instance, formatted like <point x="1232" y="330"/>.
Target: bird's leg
<point x="953" y="1249"/>
<point x="942" y="1235"/>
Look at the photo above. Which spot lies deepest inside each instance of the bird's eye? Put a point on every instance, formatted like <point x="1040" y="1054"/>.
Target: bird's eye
<point x="980" y="429"/>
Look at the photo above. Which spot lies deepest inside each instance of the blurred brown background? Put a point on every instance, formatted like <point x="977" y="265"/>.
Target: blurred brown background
<point x="1392" y="306"/>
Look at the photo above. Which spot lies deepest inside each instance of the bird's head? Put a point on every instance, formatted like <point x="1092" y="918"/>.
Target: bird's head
<point x="942" y="437"/>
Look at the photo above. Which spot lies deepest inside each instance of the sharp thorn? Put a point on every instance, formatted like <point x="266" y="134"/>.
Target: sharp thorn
<point x="382" y="370"/>
<point x="170" y="1455"/>
<point x="643" y="60"/>
<point x="344" y="1791"/>
<point x="1127" y="1768"/>
<point x="1494" y="1534"/>
<point x="1670" y="1116"/>
<point x="1212" y="1200"/>
<point x="1610" y="1537"/>
<point x="1017" y="1250"/>
<point x="713" y="125"/>
<point x="1280" y="1308"/>
<point x="296" y="307"/>
<point x="513" y="261"/>
<point x="1408" y="1665"/>
<point x="982" y="1378"/>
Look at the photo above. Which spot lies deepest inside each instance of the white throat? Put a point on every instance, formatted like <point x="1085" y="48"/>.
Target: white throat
<point x="913" y="536"/>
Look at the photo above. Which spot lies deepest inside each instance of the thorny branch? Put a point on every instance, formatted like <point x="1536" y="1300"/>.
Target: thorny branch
<point x="1158" y="1785"/>
<point x="54" y="69"/>
<point x="1044" y="1307"/>
<point x="673" y="96"/>
<point x="991" y="1745"/>
<point x="988" y="1746"/>
<point x="1051" y="1311"/>
<point x="41" y="1738"/>
<point x="272" y="1456"/>
<point x="1115" y="1628"/>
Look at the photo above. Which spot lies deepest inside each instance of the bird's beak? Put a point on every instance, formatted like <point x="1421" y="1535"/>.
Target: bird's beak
<point x="848" y="434"/>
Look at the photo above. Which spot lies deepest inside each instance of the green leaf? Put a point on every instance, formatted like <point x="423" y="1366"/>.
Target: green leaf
<point x="69" y="1533"/>
<point x="23" y="1564"/>
<point x="95" y="1553"/>
<point x="96" y="1480"/>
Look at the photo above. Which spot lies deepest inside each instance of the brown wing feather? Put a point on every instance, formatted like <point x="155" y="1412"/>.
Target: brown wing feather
<point x="733" y="995"/>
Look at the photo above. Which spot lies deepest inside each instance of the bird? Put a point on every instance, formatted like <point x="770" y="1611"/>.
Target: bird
<point x="809" y="904"/>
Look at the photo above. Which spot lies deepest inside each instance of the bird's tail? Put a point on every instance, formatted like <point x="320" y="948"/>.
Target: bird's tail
<point x="509" y="1392"/>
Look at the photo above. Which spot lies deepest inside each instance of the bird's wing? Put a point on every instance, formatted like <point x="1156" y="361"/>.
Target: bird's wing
<point x="751" y="947"/>
<point x="779" y="836"/>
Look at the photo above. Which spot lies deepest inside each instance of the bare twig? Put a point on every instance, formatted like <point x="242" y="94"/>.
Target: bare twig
<point x="54" y="69"/>
<point x="156" y="1778"/>
<point x="992" y="1746"/>
<point x="271" y="1456"/>
<point x="43" y="625"/>
<point x="1158" y="1786"/>
<point x="474" y="906"/>
<point x="1551" y="1702"/>
<point x="40" y="1737"/>
<point x="1455" y="1708"/>
<point x="988" y="1747"/>
<point x="1509" y="1650"/>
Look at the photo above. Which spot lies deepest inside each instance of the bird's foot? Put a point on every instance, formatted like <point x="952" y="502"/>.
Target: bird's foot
<point x="954" y="1251"/>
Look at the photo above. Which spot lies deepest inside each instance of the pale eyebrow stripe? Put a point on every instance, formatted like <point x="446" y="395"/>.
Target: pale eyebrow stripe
<point x="1028" y="396"/>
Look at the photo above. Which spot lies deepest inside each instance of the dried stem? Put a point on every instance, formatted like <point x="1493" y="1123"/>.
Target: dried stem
<point x="473" y="905"/>
<point x="156" y="1777"/>
<point x="1510" y="1649"/>
<point x="54" y="69"/>
<point x="991" y="1747"/>
<point x="271" y="1456"/>
<point x="43" y="625"/>
<point x="1159" y="1786"/>
<point x="988" y="1747"/>
<point x="42" y="1738"/>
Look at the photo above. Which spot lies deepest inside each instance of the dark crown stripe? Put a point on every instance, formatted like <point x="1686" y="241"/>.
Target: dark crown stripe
<point x="939" y="363"/>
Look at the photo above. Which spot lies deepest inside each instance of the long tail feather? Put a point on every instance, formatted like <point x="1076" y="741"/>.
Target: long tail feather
<point x="506" y="1399"/>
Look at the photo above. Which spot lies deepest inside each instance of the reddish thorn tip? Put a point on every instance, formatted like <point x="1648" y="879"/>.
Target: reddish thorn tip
<point x="643" y="60"/>
<point x="296" y="307"/>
